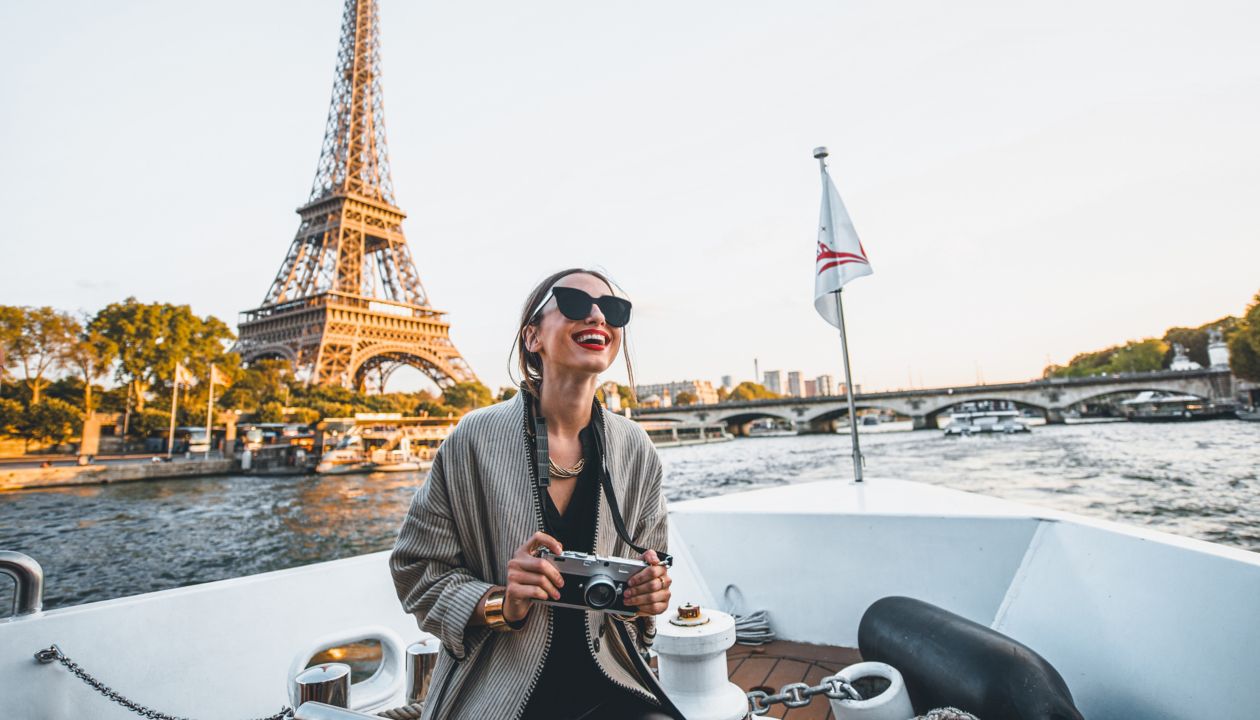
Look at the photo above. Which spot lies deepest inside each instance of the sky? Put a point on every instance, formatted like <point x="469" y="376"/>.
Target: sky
<point x="1029" y="180"/>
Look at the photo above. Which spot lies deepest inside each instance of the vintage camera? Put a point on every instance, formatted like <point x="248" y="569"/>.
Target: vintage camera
<point x="592" y="582"/>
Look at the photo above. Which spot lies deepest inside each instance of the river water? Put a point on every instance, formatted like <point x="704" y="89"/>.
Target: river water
<point x="1200" y="480"/>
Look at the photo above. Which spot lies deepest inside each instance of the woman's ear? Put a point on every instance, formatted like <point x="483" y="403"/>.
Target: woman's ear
<point x="531" y="338"/>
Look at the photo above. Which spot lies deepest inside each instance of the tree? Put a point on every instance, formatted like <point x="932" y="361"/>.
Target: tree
<point x="628" y="399"/>
<point x="722" y="394"/>
<point x="1134" y="356"/>
<point x="11" y="413"/>
<point x="262" y="381"/>
<point x="91" y="354"/>
<point x="507" y="393"/>
<point x="271" y="412"/>
<point x="306" y="416"/>
<point x="151" y="422"/>
<point x="36" y="339"/>
<point x="1195" y="340"/>
<point x="467" y="396"/>
<point x="686" y="398"/>
<point x="149" y="339"/>
<point x="748" y="390"/>
<point x="1244" y="346"/>
<point x="50" y="420"/>
<point x="10" y="331"/>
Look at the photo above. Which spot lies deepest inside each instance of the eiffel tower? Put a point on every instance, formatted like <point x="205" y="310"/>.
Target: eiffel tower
<point x="347" y="302"/>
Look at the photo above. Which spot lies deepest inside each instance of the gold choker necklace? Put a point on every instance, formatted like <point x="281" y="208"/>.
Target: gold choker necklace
<point x="563" y="473"/>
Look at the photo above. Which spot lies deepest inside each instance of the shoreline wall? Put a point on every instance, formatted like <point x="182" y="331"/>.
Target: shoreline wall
<point x="71" y="475"/>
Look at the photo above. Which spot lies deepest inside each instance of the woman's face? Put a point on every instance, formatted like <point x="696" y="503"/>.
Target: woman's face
<point x="586" y="346"/>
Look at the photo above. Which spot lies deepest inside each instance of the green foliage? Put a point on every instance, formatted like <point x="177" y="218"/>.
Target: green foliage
<point x="507" y="393"/>
<point x="149" y="339"/>
<point x="50" y="420"/>
<point x="1134" y="356"/>
<point x="35" y="340"/>
<point x="686" y="398"/>
<point x="270" y="412"/>
<point x="627" y="397"/>
<point x="467" y="396"/>
<point x="305" y="415"/>
<point x="150" y="422"/>
<point x="11" y="412"/>
<point x="1195" y="340"/>
<point x="748" y="390"/>
<point x="1244" y="346"/>
<point x="264" y="380"/>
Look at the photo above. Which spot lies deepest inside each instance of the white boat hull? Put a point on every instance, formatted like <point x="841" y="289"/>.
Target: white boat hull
<point x="1139" y="623"/>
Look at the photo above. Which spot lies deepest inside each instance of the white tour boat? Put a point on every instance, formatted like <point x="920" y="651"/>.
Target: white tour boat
<point x="985" y="416"/>
<point x="1140" y="624"/>
<point x="384" y="442"/>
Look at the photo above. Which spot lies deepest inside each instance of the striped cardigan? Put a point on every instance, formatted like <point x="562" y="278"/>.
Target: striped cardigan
<point x="472" y="513"/>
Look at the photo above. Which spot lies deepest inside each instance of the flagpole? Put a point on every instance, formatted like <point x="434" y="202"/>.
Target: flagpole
<point x="209" y="415"/>
<point x="170" y="440"/>
<point x="848" y="393"/>
<point x="821" y="154"/>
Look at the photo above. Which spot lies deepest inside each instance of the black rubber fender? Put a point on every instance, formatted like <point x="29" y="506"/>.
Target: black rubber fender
<point x="948" y="660"/>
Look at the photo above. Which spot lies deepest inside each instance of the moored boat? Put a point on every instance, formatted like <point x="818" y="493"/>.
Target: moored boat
<point x="1160" y="406"/>
<point x="383" y="442"/>
<point x="673" y="434"/>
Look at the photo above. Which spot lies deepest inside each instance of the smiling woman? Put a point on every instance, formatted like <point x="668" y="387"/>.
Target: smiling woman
<point x="569" y="289"/>
<point x="536" y="473"/>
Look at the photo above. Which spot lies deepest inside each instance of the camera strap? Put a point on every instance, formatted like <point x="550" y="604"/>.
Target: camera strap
<point x="542" y="477"/>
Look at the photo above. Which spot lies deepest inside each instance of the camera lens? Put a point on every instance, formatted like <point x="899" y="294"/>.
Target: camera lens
<point x="600" y="592"/>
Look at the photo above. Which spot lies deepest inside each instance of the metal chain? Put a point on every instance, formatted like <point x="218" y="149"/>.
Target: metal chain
<point x="54" y="654"/>
<point x="797" y="695"/>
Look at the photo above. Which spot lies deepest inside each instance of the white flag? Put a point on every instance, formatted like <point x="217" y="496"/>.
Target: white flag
<point x="840" y="254"/>
<point x="182" y="375"/>
<point x="218" y="378"/>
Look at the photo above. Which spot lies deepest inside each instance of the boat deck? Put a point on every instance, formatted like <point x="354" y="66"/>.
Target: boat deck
<point x="771" y="666"/>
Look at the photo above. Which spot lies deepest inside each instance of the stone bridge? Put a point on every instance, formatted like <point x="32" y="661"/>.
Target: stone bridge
<point x="1051" y="397"/>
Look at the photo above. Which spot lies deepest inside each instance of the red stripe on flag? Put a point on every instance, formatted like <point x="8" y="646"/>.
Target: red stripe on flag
<point x="834" y="263"/>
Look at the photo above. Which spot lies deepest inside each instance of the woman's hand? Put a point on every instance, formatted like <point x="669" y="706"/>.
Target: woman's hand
<point x="531" y="578"/>
<point x="649" y="589"/>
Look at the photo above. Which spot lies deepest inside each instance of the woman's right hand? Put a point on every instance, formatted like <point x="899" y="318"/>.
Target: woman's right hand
<point x="530" y="577"/>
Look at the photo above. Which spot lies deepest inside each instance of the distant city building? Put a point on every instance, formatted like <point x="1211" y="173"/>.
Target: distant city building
<point x="824" y="386"/>
<point x="794" y="384"/>
<point x="773" y="381"/>
<point x="728" y="382"/>
<point x="704" y="391"/>
<point x="841" y="390"/>
<point x="811" y="388"/>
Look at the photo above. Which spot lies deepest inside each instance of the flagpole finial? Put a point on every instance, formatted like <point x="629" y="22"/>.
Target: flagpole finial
<point x="820" y="152"/>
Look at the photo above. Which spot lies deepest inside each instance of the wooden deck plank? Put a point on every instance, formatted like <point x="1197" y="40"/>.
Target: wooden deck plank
<point x="753" y="671"/>
<point x="776" y="664"/>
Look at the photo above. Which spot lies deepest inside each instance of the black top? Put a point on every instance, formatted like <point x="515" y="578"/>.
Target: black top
<point x="571" y="683"/>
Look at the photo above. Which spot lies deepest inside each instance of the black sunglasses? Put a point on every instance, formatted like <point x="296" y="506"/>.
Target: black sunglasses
<point x="576" y="305"/>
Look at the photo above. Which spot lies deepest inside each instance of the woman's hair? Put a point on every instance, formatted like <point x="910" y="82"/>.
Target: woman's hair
<point x="529" y="363"/>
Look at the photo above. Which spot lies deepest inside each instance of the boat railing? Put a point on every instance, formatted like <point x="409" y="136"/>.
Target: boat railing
<point x="28" y="580"/>
<point x="320" y="711"/>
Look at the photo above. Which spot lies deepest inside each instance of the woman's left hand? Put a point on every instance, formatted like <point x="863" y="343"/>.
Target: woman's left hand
<point x="648" y="590"/>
